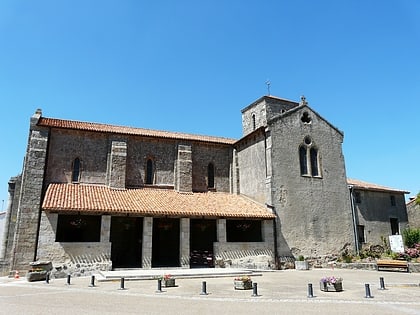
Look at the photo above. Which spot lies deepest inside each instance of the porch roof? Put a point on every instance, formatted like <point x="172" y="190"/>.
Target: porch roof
<point x="83" y="198"/>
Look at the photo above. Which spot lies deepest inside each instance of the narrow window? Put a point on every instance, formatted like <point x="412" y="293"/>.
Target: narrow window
<point x="76" y="170"/>
<point x="393" y="203"/>
<point x="303" y="161"/>
<point x="395" y="230"/>
<point x="210" y="175"/>
<point x="254" y="124"/>
<point x="149" y="172"/>
<point x="361" y="233"/>
<point x="357" y="197"/>
<point x="314" y="161"/>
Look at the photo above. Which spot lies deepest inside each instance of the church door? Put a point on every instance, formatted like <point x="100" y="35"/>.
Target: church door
<point x="165" y="242"/>
<point x="203" y="234"/>
<point x="126" y="242"/>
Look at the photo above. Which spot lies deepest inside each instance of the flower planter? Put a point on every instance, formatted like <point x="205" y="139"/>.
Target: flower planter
<point x="169" y="282"/>
<point x="36" y="275"/>
<point x="242" y="285"/>
<point x="331" y="287"/>
<point x="301" y="265"/>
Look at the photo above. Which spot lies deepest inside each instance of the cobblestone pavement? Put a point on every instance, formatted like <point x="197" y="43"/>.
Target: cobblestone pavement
<point x="278" y="292"/>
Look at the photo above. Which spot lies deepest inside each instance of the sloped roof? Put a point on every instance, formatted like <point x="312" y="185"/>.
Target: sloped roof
<point x="150" y="202"/>
<point x="98" y="127"/>
<point x="369" y="186"/>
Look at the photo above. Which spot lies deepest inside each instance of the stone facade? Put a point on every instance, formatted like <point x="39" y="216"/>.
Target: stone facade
<point x="270" y="170"/>
<point x="289" y="162"/>
<point x="378" y="213"/>
<point x="413" y="210"/>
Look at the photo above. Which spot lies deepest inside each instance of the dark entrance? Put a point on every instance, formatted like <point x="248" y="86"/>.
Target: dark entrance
<point x="203" y="234"/>
<point x="165" y="249"/>
<point x="126" y="239"/>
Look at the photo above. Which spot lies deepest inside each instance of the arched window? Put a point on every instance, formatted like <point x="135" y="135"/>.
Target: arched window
<point x="314" y="161"/>
<point x="210" y="175"/>
<point x="303" y="160"/>
<point x="76" y="171"/>
<point x="149" y="172"/>
<point x="309" y="158"/>
<point x="254" y="124"/>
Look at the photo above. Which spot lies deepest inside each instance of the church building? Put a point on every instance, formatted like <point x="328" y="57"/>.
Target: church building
<point x="94" y="196"/>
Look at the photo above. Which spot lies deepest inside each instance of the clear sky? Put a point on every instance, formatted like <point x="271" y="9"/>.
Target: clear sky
<point x="191" y="66"/>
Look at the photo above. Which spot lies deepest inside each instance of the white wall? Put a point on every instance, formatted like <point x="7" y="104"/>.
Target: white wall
<point x="2" y="221"/>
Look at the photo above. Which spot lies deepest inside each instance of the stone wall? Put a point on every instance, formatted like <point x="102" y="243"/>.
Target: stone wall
<point x="375" y="211"/>
<point x="413" y="211"/>
<point x="262" y="110"/>
<point x="23" y="250"/>
<point x="253" y="167"/>
<point x="313" y="211"/>
<point x="91" y="148"/>
<point x="117" y="165"/>
<point x="253" y="255"/>
<point x="102" y="155"/>
<point x="74" y="258"/>
<point x="220" y="157"/>
<point x="10" y="223"/>
<point x="244" y="255"/>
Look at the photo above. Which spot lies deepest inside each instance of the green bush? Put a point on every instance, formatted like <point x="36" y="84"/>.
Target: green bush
<point x="411" y="237"/>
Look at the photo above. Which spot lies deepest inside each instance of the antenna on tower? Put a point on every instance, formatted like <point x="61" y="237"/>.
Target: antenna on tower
<point x="268" y="86"/>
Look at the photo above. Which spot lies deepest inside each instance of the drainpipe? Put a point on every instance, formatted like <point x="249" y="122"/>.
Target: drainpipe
<point x="353" y="214"/>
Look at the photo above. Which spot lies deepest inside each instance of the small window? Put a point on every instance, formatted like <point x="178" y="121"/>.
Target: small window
<point x="395" y="229"/>
<point x="149" y="172"/>
<point x="393" y="203"/>
<point x="78" y="228"/>
<point x="357" y="197"/>
<point x="76" y="170"/>
<point x="210" y="175"/>
<point x="243" y="231"/>
<point x="254" y="123"/>
<point x="361" y="233"/>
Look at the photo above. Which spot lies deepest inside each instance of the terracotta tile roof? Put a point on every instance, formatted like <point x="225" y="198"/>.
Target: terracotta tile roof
<point x="369" y="186"/>
<point x="150" y="202"/>
<point x="89" y="126"/>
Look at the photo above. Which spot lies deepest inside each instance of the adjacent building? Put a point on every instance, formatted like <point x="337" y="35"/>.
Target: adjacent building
<point x="413" y="210"/>
<point x="379" y="211"/>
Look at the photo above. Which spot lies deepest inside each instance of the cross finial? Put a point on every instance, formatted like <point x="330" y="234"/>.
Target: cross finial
<point x="303" y="100"/>
<point x="268" y="86"/>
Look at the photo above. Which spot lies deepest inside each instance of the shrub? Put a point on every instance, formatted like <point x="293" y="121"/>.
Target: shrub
<point x="411" y="237"/>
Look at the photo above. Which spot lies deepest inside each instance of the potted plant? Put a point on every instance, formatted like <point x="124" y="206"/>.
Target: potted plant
<point x="301" y="263"/>
<point x="242" y="283"/>
<point x="331" y="284"/>
<point x="168" y="280"/>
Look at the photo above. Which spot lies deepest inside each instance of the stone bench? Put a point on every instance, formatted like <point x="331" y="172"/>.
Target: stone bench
<point x="390" y="264"/>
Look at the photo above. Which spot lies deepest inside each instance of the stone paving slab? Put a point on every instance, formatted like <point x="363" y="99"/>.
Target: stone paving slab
<point x="150" y="274"/>
<point x="279" y="292"/>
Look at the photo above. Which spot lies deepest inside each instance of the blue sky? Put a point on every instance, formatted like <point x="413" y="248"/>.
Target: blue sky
<point x="191" y="66"/>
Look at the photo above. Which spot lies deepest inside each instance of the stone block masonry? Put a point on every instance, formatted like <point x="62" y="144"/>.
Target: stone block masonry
<point x="28" y="214"/>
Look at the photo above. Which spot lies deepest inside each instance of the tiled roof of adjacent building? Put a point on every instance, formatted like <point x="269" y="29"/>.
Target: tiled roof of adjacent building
<point x="150" y="202"/>
<point x="369" y="186"/>
<point x="97" y="127"/>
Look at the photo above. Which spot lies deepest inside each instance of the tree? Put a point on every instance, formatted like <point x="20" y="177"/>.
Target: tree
<point x="418" y="199"/>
